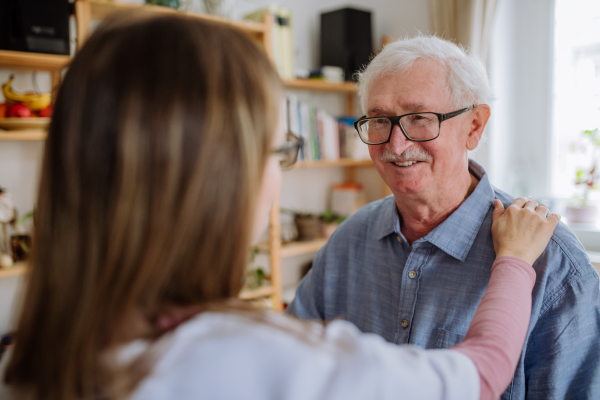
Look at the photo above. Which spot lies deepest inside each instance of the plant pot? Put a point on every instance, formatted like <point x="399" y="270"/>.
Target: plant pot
<point x="328" y="229"/>
<point x="582" y="215"/>
<point x="20" y="245"/>
<point x="309" y="228"/>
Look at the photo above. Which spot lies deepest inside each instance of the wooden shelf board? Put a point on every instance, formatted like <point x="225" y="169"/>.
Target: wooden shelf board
<point x="102" y="9"/>
<point x="334" y="163"/>
<point x="319" y="85"/>
<point x="298" y="248"/>
<point x="26" y="135"/>
<point x="17" y="269"/>
<point x="264" y="291"/>
<point x="22" y="60"/>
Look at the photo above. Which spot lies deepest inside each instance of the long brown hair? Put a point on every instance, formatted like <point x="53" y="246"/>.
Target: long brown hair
<point x="152" y="165"/>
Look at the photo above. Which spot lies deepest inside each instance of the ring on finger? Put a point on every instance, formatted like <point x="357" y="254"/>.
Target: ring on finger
<point x="546" y="207"/>
<point x="531" y="204"/>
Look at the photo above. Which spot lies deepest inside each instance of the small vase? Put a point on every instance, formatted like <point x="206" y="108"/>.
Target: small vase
<point x="328" y="229"/>
<point x="582" y="215"/>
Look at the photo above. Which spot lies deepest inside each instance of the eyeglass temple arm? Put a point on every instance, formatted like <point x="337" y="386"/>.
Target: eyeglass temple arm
<point x="458" y="112"/>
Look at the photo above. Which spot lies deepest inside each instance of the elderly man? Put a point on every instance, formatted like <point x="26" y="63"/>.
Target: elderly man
<point x="413" y="267"/>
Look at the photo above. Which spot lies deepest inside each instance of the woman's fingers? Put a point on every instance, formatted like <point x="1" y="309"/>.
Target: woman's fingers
<point x="498" y="209"/>
<point x="520" y="202"/>
<point x="531" y="205"/>
<point x="554" y="219"/>
<point x="542" y="210"/>
<point x="523" y="230"/>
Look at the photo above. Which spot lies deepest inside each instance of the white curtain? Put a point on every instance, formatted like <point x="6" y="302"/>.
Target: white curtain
<point x="468" y="22"/>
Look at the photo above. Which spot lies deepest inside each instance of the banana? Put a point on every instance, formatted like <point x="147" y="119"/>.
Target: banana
<point x="33" y="101"/>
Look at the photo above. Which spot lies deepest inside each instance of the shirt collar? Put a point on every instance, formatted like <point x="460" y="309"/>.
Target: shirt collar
<point x="456" y="234"/>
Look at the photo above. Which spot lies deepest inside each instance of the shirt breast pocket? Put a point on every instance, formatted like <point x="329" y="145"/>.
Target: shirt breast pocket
<point x="445" y="339"/>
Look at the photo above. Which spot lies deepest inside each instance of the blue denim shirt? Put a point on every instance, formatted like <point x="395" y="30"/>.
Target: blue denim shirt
<point x="426" y="294"/>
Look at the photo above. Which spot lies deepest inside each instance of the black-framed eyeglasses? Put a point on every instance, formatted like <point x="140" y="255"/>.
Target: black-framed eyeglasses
<point x="417" y="127"/>
<point x="288" y="153"/>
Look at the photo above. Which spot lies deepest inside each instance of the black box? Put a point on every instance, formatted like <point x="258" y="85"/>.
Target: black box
<point x="346" y="40"/>
<point x="40" y="26"/>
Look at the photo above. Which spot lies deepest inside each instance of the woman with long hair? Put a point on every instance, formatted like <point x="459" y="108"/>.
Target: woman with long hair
<point x="161" y="163"/>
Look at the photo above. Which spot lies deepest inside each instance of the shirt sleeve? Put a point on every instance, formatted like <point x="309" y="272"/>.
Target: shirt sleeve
<point x="497" y="333"/>
<point x="562" y="354"/>
<point x="309" y="300"/>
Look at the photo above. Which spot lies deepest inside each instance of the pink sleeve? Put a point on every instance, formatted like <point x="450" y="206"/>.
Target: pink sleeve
<point x="497" y="333"/>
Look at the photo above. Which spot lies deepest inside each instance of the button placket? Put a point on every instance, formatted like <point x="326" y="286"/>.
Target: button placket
<point x="409" y="289"/>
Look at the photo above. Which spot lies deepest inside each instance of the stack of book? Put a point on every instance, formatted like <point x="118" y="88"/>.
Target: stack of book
<point x="281" y="37"/>
<point x="325" y="137"/>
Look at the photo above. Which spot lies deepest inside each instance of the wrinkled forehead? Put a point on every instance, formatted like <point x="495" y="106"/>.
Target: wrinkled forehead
<point x="422" y="87"/>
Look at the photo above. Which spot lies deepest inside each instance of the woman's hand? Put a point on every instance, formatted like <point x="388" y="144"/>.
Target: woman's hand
<point x="522" y="230"/>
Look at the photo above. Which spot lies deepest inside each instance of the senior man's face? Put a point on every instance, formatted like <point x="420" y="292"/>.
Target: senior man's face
<point x="422" y="88"/>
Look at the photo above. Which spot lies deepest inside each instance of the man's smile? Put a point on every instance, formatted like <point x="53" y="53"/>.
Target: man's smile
<point x="405" y="163"/>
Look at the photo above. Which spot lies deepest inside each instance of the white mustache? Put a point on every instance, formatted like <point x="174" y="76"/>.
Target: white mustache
<point x="412" y="153"/>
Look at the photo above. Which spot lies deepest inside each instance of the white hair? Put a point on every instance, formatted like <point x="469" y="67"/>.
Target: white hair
<point x="467" y="77"/>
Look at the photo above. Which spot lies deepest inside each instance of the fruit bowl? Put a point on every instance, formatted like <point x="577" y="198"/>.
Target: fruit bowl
<point x="11" y="124"/>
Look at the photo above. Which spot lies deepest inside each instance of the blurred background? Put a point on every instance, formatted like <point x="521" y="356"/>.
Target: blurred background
<point x="543" y="58"/>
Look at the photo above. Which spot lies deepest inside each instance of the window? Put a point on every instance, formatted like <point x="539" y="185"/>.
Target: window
<point x="576" y="90"/>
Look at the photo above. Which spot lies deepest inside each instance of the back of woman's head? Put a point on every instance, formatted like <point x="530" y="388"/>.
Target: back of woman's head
<point x="153" y="160"/>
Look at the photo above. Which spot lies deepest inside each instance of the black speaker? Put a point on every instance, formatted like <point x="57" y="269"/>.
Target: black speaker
<point x="346" y="39"/>
<point x="40" y="26"/>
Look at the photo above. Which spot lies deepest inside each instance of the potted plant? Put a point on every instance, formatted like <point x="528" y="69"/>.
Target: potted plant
<point x="254" y="277"/>
<point x="20" y="241"/>
<point x="7" y="216"/>
<point x="330" y="222"/>
<point x="309" y="226"/>
<point x="580" y="210"/>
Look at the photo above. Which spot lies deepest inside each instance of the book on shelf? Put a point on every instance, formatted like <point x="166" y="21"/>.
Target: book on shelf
<point x="325" y="137"/>
<point x="281" y="36"/>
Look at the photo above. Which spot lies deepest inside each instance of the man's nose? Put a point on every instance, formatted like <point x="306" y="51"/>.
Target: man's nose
<point x="398" y="142"/>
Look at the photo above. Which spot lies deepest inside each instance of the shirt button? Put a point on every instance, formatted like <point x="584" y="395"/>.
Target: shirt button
<point x="399" y="239"/>
<point x="404" y="323"/>
<point x="412" y="274"/>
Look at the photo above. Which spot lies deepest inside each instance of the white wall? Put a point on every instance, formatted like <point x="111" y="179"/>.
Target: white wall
<point x="395" y="18"/>
<point x="521" y="74"/>
<point x="9" y="291"/>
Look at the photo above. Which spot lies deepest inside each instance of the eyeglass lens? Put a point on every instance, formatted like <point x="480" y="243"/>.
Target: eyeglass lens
<point x="424" y="126"/>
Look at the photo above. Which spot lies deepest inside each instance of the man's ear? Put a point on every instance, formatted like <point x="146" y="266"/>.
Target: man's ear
<point x="481" y="114"/>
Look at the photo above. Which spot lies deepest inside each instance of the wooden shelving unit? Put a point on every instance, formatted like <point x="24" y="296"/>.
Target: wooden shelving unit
<point x="23" y="135"/>
<point x="20" y="60"/>
<point x="265" y="291"/>
<point x="321" y="86"/>
<point x="15" y="270"/>
<point x="298" y="248"/>
<point x="88" y="10"/>
<point x="295" y="248"/>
